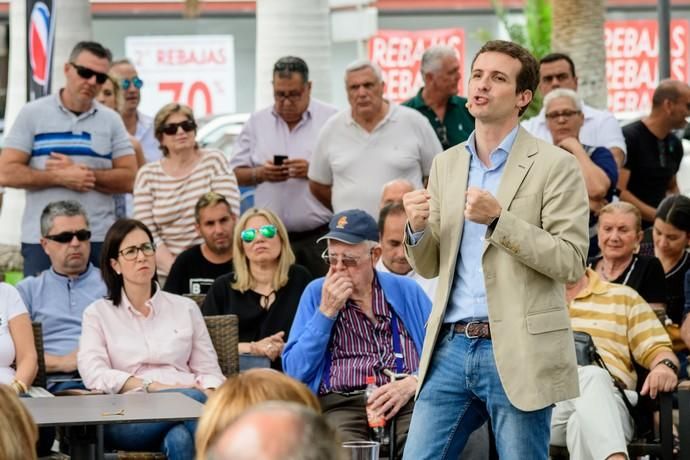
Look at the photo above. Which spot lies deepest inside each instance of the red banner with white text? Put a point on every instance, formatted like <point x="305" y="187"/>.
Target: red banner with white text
<point x="632" y="61"/>
<point x="399" y="54"/>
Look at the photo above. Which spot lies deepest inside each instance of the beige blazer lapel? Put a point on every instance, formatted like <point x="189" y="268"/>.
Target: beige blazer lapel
<point x="518" y="164"/>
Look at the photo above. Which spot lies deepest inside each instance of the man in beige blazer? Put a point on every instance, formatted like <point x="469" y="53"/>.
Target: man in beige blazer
<point x="503" y="224"/>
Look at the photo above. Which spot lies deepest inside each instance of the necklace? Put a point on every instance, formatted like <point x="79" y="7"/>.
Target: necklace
<point x="630" y="269"/>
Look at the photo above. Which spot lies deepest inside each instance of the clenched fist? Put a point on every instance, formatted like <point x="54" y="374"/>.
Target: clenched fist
<point x="417" y="208"/>
<point x="481" y="206"/>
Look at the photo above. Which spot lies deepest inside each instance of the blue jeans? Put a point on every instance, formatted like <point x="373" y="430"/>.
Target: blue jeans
<point x="174" y="439"/>
<point x="36" y="260"/>
<point x="461" y="390"/>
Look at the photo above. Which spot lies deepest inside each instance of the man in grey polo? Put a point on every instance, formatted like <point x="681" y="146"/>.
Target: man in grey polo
<point x="369" y="144"/>
<point x="66" y="147"/>
<point x="289" y="128"/>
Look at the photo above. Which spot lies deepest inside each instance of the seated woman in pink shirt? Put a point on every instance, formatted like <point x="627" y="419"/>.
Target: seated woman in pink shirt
<point x="140" y="338"/>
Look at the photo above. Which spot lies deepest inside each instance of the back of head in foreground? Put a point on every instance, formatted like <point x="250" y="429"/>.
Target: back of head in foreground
<point x="18" y="432"/>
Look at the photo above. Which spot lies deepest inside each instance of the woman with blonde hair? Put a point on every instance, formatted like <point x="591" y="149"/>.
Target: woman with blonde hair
<point x="18" y="432"/>
<point x="166" y="190"/>
<point x="243" y="391"/>
<point x="619" y="236"/>
<point x="265" y="288"/>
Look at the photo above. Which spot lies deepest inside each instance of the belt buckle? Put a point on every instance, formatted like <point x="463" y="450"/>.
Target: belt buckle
<point x="467" y="328"/>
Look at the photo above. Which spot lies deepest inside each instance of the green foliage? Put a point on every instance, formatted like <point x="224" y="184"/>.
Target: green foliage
<point x="534" y="34"/>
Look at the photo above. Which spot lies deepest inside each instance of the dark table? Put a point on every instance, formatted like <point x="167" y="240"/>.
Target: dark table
<point x="100" y="410"/>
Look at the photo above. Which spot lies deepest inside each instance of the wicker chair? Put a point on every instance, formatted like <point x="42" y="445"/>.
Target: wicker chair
<point x="224" y="332"/>
<point x="198" y="298"/>
<point x="41" y="379"/>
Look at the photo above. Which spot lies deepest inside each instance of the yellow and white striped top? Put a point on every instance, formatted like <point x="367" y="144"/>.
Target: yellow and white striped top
<point x="621" y="324"/>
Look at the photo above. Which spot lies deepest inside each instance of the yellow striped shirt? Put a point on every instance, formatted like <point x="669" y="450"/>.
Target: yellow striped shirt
<point x="621" y="324"/>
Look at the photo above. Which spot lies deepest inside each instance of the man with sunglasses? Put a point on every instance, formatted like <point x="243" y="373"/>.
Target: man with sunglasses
<point x="357" y="322"/>
<point x="58" y="296"/>
<point x="138" y="124"/>
<point x="438" y="100"/>
<point x="67" y="147"/>
<point x="654" y="151"/>
<point x="286" y="132"/>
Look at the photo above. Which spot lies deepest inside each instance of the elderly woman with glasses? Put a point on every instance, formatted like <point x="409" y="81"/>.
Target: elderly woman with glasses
<point x="264" y="289"/>
<point x="140" y="338"/>
<point x="166" y="191"/>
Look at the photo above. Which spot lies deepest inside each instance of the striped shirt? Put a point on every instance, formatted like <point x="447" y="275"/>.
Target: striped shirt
<point x="621" y="324"/>
<point x="166" y="204"/>
<point x="360" y="347"/>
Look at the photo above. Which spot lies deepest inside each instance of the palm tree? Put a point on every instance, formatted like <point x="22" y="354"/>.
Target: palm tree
<point x="578" y="30"/>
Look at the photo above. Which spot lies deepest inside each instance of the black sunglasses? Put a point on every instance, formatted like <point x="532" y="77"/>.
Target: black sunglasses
<point x="67" y="237"/>
<point x="171" y="128"/>
<point x="86" y="73"/>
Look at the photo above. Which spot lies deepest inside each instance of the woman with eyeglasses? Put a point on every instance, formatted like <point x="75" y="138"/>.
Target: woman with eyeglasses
<point x="166" y="190"/>
<point x="142" y="339"/>
<point x="265" y="287"/>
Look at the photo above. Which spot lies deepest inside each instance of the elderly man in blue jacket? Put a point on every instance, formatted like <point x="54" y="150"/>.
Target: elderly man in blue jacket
<point x="356" y="323"/>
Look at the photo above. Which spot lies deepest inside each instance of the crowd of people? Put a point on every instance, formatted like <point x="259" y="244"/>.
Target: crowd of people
<point x="440" y="250"/>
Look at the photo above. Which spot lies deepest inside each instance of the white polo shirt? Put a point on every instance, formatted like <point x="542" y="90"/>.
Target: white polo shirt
<point x="357" y="163"/>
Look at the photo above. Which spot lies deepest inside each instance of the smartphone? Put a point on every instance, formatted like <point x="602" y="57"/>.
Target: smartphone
<point x="278" y="159"/>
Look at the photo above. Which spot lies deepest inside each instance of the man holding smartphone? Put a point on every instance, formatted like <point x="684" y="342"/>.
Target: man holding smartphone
<point x="273" y="152"/>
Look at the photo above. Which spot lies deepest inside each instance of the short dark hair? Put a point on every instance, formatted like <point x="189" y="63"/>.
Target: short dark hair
<point x="553" y="57"/>
<point x="668" y="90"/>
<point x="210" y="199"/>
<point x="94" y="48"/>
<point x="287" y="65"/>
<point x="111" y="250"/>
<point x="675" y="210"/>
<point x="528" y="77"/>
<point x="68" y="208"/>
<point x="388" y="210"/>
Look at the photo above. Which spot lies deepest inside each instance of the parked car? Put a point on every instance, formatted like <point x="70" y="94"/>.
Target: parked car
<point x="219" y="132"/>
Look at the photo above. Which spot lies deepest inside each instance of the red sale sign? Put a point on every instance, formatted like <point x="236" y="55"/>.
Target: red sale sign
<point x="197" y="70"/>
<point x="632" y="56"/>
<point x="399" y="54"/>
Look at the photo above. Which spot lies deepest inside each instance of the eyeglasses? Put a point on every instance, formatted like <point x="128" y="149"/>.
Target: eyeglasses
<point x="86" y="73"/>
<point x="67" y="237"/>
<point x="348" y="261"/>
<point x="125" y="83"/>
<point x="130" y="253"/>
<point x="563" y="113"/>
<point x="171" y="128"/>
<point x="268" y="231"/>
<point x="292" y="96"/>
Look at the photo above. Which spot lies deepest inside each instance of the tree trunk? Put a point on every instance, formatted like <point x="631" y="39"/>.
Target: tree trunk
<point x="578" y="30"/>
<point x="298" y="28"/>
<point x="72" y="24"/>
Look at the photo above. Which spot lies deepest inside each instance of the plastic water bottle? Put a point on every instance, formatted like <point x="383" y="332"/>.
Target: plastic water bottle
<point x="377" y="425"/>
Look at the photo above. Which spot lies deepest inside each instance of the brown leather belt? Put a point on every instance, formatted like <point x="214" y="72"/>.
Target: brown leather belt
<point x="473" y="329"/>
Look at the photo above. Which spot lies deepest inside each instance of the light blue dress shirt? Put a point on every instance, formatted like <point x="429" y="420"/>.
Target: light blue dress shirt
<point x="468" y="293"/>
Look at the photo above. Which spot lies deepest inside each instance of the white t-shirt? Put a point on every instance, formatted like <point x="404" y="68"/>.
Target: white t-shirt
<point x="600" y="129"/>
<point x="357" y="164"/>
<point x="11" y="305"/>
<point x="428" y="285"/>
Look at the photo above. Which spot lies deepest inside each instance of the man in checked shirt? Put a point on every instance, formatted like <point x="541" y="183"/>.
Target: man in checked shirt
<point x="357" y="322"/>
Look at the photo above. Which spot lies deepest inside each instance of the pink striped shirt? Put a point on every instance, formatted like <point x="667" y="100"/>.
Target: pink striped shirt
<point x="171" y="345"/>
<point x="166" y="204"/>
<point x="360" y="347"/>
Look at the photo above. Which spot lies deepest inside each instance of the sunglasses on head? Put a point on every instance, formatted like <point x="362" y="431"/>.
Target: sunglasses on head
<point x="171" y="128"/>
<point x="268" y="231"/>
<point x="86" y="73"/>
<point x="125" y="83"/>
<point x="67" y="237"/>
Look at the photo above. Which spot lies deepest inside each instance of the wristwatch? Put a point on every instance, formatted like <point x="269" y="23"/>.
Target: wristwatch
<point x="668" y="363"/>
<point x="146" y="384"/>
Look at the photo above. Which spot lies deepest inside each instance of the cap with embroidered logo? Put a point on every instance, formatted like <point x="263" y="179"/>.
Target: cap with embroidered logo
<point x="352" y="227"/>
